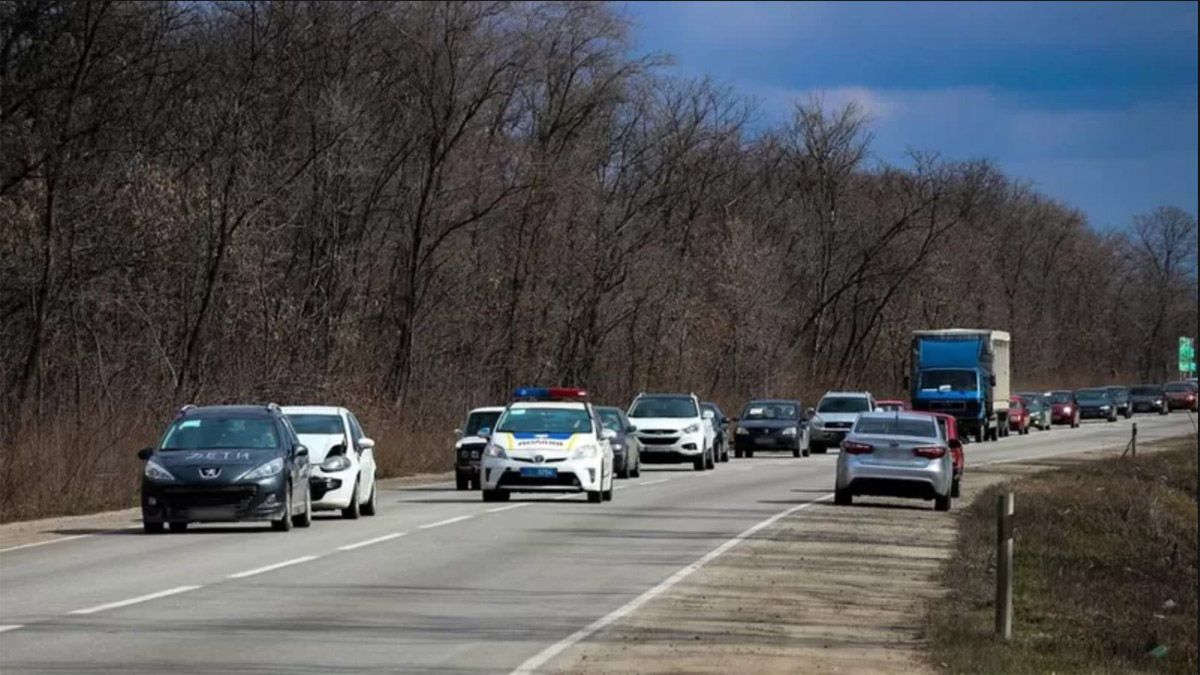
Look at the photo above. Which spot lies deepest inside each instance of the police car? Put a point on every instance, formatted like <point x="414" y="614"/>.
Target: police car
<point x="548" y="440"/>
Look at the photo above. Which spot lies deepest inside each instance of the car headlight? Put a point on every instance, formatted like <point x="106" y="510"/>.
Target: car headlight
<point x="691" y="428"/>
<point x="336" y="463"/>
<point x="790" y="431"/>
<point x="1158" y="402"/>
<point x="586" y="452"/>
<point x="493" y="450"/>
<point x="1105" y="407"/>
<point x="1067" y="409"/>
<point x="266" y="470"/>
<point x="155" y="471"/>
<point x="742" y="431"/>
<point x="817" y="422"/>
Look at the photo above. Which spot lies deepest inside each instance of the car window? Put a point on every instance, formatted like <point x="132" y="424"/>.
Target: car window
<point x="356" y="430"/>
<point x="844" y="404"/>
<point x="481" y="422"/>
<point x="1145" y="391"/>
<point x="611" y="419"/>
<point x="949" y="380"/>
<point x="1091" y="395"/>
<point x="222" y="433"/>
<point x="771" y="411"/>
<point x="1060" y="396"/>
<point x="664" y="406"/>
<point x="545" y="421"/>
<point x="316" y="424"/>
<point x="896" y="426"/>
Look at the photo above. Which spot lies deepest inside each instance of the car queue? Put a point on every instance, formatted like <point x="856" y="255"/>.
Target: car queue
<point x="236" y="463"/>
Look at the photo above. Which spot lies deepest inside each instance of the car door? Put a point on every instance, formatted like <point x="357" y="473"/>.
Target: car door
<point x="366" y="458"/>
<point x="633" y="446"/>
<point x="295" y="466"/>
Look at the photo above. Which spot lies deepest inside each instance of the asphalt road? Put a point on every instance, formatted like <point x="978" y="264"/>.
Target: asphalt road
<point x="438" y="582"/>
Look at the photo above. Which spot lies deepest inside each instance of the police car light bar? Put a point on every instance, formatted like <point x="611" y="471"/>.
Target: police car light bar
<point x="551" y="393"/>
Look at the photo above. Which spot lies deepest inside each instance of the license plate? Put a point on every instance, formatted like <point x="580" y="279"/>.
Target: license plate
<point x="539" y="472"/>
<point x="764" y="441"/>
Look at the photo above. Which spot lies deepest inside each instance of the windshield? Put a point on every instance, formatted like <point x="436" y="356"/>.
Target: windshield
<point x="1091" y="395"/>
<point x="1178" y="386"/>
<point x="1145" y="391"/>
<point x="222" y="433"/>
<point x="316" y="424"/>
<point x="545" y="421"/>
<point x="662" y="406"/>
<point x="843" y="404"/>
<point x="1059" y="396"/>
<point x="948" y="380"/>
<point x="770" y="411"/>
<point x="481" y="423"/>
<point x="895" y="426"/>
<point x="611" y="419"/>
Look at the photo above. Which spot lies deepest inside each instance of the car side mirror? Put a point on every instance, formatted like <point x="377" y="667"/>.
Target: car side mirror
<point x="630" y="429"/>
<point x="458" y="433"/>
<point x="709" y="415"/>
<point x="366" y="443"/>
<point x="145" y="453"/>
<point x="810" y="412"/>
<point x="301" y="451"/>
<point x="608" y="435"/>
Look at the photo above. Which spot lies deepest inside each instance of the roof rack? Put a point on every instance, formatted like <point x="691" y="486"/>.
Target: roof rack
<point x="273" y="407"/>
<point x="184" y="409"/>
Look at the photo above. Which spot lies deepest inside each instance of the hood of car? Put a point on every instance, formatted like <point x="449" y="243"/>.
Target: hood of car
<point x="212" y="466"/>
<point x="319" y="445"/>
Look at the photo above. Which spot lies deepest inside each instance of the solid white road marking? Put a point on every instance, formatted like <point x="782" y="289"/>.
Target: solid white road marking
<point x="133" y="601"/>
<point x="43" y="543"/>
<point x="447" y="521"/>
<point x="541" y="658"/>
<point x="498" y="509"/>
<point x="376" y="540"/>
<point x="269" y="568"/>
<point x="5" y="629"/>
<point x="620" y="487"/>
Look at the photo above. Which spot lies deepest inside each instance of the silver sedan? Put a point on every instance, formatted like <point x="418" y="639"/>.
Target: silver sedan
<point x="896" y="455"/>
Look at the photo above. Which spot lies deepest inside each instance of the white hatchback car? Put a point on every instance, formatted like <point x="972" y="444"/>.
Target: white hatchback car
<point x="342" y="459"/>
<point x="552" y="441"/>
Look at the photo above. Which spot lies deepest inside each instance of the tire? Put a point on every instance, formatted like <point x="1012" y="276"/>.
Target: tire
<point x="284" y="524"/>
<point x="805" y="452"/>
<point x="724" y="452"/>
<point x="737" y="454"/>
<point x="795" y="452"/>
<point x="305" y="519"/>
<point x="816" y="448"/>
<point x="1075" y="422"/>
<point x="624" y="472"/>
<point x="178" y="527"/>
<point x="1165" y="410"/>
<point x="595" y="497"/>
<point x="637" y="469"/>
<point x="942" y="503"/>
<point x="710" y="461"/>
<point x="749" y="454"/>
<point x="842" y="498"/>
<point x="606" y="495"/>
<point x="152" y="528"/>
<point x="352" y="511"/>
<point x="956" y="487"/>
<point x="462" y="482"/>
<point x="369" y="508"/>
<point x="699" y="463"/>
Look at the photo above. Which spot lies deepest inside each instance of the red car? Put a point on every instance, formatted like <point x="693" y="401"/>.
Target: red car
<point x="1019" y="419"/>
<point x="1181" y="395"/>
<point x="949" y="426"/>
<point x="891" y="405"/>
<point x="1064" y="409"/>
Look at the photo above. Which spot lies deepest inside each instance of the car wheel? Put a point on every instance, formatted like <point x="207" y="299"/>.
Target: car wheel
<point x="284" y="524"/>
<point x="179" y="527"/>
<point x="956" y="487"/>
<point x="805" y="452"/>
<point x="699" y="462"/>
<point x="462" y="482"/>
<point x="606" y="495"/>
<point x="637" y="469"/>
<point x="152" y="528"/>
<point x="624" y="472"/>
<point x="749" y="454"/>
<point x="352" y="510"/>
<point x="843" y="498"/>
<point x="305" y="518"/>
<point x="737" y="454"/>
<point x="710" y="461"/>
<point x="595" y="496"/>
<point x="368" y="507"/>
<point x="942" y="503"/>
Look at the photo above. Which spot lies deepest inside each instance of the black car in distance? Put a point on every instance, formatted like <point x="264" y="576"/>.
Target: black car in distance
<point x="1121" y="399"/>
<point x="771" y="424"/>
<point x="1148" y="398"/>
<point x="1096" y="403"/>
<point x="227" y="463"/>
<point x="721" y="427"/>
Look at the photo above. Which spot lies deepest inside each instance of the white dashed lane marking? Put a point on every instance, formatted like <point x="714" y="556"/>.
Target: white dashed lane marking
<point x="376" y="540"/>
<point x="498" y="509"/>
<point x="448" y="521"/>
<point x="133" y="601"/>
<point x="269" y="568"/>
<point x="5" y="629"/>
<point x="43" y="543"/>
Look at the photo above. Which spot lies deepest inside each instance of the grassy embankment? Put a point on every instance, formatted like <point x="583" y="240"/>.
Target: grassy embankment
<point x="1105" y="572"/>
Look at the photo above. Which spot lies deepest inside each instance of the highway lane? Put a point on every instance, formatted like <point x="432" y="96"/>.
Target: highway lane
<point x="438" y="582"/>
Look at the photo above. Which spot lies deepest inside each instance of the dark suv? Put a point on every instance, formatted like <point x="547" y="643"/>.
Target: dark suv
<point x="1148" y="398"/>
<point x="227" y="463"/>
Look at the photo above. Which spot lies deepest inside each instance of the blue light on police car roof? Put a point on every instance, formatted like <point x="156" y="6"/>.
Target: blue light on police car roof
<point x="531" y="392"/>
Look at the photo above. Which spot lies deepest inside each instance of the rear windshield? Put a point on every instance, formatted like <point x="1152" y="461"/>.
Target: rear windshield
<point x="316" y="424"/>
<point x="771" y="411"/>
<point x="1146" y="391"/>
<point x="222" y="433"/>
<point x="843" y="404"/>
<point x="480" y="423"/>
<point x="895" y="426"/>
<point x="545" y="421"/>
<point x="662" y="406"/>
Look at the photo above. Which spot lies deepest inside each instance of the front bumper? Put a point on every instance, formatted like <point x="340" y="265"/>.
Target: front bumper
<point x="1180" y="404"/>
<point x="333" y="489"/>
<point x="922" y="482"/>
<point x="671" y="449"/>
<point x="578" y="475"/>
<point x="1096" y="413"/>
<point x="1147" y="406"/>
<point x="827" y="436"/>
<point x="765" y="441"/>
<point x="1060" y="417"/>
<point x="182" y="503"/>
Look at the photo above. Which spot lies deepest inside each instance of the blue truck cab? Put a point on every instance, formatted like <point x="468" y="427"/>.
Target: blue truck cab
<point x="965" y="373"/>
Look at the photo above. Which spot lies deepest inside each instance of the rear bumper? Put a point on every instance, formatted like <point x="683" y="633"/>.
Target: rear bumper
<point x="896" y="481"/>
<point x="213" y="504"/>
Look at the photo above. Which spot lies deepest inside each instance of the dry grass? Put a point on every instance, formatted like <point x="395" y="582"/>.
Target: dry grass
<point x="1105" y="572"/>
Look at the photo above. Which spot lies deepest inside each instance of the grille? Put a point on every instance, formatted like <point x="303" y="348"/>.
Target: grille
<point x="947" y="405"/>
<point x="233" y="495"/>
<point x="661" y="432"/>
<point x="659" y="441"/>
<point x="547" y="460"/>
<point x="838" y="425"/>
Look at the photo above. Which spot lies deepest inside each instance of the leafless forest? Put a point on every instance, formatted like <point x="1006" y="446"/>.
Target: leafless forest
<point x="409" y="208"/>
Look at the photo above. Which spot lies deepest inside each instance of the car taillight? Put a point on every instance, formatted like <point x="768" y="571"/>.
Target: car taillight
<point x="852" y="448"/>
<point x="932" y="452"/>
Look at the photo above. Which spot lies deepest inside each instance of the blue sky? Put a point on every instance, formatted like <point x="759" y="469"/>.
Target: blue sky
<point x="1095" y="104"/>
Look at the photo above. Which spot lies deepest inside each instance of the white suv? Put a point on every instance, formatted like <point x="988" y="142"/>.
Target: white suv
<point x="673" y="428"/>
<point x="834" y="417"/>
<point x="552" y="441"/>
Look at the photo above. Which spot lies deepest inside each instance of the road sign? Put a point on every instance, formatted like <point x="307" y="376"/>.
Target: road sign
<point x="1187" y="355"/>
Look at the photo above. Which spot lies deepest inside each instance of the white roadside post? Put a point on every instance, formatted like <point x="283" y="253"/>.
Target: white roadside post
<point x="1004" y="566"/>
